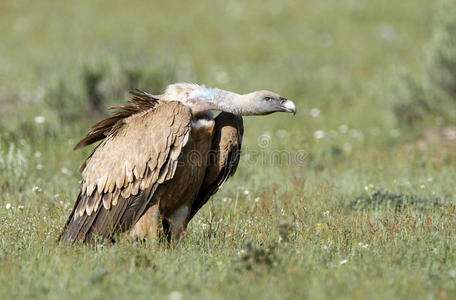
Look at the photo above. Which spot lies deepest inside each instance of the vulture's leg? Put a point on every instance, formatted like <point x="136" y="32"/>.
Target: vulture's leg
<point x="147" y="226"/>
<point x="176" y="223"/>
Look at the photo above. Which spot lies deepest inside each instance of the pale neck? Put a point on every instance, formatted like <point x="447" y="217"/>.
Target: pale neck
<point x="223" y="100"/>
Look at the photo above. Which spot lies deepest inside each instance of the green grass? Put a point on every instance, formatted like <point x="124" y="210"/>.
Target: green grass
<point x="275" y="230"/>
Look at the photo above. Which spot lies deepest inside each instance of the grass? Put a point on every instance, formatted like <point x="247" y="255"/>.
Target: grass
<point x="285" y="229"/>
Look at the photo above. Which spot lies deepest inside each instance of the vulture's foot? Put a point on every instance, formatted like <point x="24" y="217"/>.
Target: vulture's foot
<point x="175" y="225"/>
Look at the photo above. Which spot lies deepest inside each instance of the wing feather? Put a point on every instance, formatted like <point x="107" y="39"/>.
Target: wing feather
<point x="107" y="197"/>
<point x="124" y="171"/>
<point x="141" y="101"/>
<point x="223" y="159"/>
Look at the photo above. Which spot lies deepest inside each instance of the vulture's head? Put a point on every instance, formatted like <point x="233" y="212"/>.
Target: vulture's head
<point x="202" y="99"/>
<point x="266" y="102"/>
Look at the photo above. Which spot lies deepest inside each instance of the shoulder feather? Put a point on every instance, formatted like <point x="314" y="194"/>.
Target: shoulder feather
<point x="140" y="102"/>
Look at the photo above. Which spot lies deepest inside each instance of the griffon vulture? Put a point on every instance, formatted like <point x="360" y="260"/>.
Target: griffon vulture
<point x="161" y="159"/>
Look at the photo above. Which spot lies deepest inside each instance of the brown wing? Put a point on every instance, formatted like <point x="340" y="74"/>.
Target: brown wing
<point x="122" y="174"/>
<point x="141" y="101"/>
<point x="223" y="158"/>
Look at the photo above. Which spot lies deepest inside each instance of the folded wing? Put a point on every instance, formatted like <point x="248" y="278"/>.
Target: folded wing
<point x="223" y="158"/>
<point x="140" y="152"/>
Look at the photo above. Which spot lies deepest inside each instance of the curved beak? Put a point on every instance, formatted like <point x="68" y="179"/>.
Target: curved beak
<point x="288" y="106"/>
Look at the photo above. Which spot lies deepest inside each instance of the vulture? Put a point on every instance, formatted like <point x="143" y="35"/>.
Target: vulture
<point x="160" y="159"/>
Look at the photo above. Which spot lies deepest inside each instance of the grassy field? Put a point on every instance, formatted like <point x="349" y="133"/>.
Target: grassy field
<point x="355" y="208"/>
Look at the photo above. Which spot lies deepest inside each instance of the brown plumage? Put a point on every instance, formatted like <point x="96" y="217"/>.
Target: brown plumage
<point x="161" y="159"/>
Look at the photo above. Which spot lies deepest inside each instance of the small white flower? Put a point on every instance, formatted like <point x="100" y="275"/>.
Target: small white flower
<point x="257" y="199"/>
<point x="387" y="32"/>
<point x="366" y="188"/>
<point x="429" y="179"/>
<point x="37" y="154"/>
<point x="362" y="245"/>
<point x="343" y="128"/>
<point x="246" y="192"/>
<point x="39" y="167"/>
<point x="314" y="112"/>
<point x="282" y="133"/>
<point x="452" y="273"/>
<point x="422" y="186"/>
<point x="343" y="262"/>
<point x="20" y="206"/>
<point x="319" y="134"/>
<point x="357" y="134"/>
<point x="222" y="77"/>
<point x="375" y="131"/>
<point x="325" y="213"/>
<point x="395" y="133"/>
<point x="371" y="186"/>
<point x="66" y="171"/>
<point x="40" y="119"/>
<point x="36" y="189"/>
<point x="282" y="211"/>
<point x="8" y="205"/>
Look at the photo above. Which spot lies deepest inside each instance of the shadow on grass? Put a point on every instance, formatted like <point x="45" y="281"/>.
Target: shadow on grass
<point x="380" y="199"/>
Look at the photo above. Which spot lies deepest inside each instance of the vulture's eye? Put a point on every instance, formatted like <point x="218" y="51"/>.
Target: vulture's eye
<point x="268" y="99"/>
